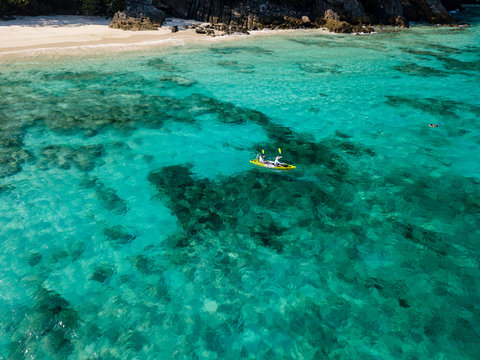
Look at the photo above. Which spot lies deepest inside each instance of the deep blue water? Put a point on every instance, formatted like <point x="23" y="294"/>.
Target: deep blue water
<point x="132" y="224"/>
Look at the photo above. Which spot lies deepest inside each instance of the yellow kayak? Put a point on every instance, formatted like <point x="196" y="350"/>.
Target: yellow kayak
<point x="270" y="165"/>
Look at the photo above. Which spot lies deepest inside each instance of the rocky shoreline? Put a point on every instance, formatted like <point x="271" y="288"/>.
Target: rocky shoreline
<point x="233" y="16"/>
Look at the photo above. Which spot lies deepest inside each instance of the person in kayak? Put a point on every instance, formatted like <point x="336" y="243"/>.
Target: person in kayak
<point x="277" y="161"/>
<point x="262" y="158"/>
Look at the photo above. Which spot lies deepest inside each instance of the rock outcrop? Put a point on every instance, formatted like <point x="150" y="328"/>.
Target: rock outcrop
<point x="431" y="11"/>
<point x="350" y="15"/>
<point x="333" y="22"/>
<point x="138" y="15"/>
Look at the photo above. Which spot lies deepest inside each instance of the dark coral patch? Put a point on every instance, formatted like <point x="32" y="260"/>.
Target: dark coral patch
<point x="349" y="147"/>
<point x="12" y="155"/>
<point x="306" y="41"/>
<point x="450" y="63"/>
<point x="456" y="65"/>
<point x="419" y="70"/>
<point x="234" y="65"/>
<point x="144" y="264"/>
<point x="118" y="235"/>
<point x="102" y="273"/>
<point x="435" y="106"/>
<point x="318" y="68"/>
<point x="374" y="283"/>
<point x="177" y="80"/>
<point x="34" y="258"/>
<point x="202" y="205"/>
<point x="73" y="75"/>
<point x="257" y="50"/>
<point x="51" y="322"/>
<point x="109" y="198"/>
<point x="161" y="64"/>
<point x="111" y="201"/>
<point x="84" y="158"/>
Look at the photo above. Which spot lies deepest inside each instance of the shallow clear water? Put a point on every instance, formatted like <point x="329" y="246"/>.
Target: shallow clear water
<point x="132" y="224"/>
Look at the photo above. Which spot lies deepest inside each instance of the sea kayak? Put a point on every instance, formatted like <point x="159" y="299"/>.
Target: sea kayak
<point x="271" y="166"/>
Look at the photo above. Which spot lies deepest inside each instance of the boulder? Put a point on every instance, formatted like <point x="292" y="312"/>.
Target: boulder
<point x="338" y="26"/>
<point x="122" y="21"/>
<point x="221" y="27"/>
<point x="331" y="15"/>
<point x="138" y="15"/>
<point x="333" y="23"/>
<point x="400" y="22"/>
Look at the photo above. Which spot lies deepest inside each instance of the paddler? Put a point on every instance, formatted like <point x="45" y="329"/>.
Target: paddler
<point x="277" y="161"/>
<point x="261" y="159"/>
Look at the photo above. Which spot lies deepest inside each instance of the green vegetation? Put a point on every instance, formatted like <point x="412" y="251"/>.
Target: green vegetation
<point x="102" y="7"/>
<point x="42" y="7"/>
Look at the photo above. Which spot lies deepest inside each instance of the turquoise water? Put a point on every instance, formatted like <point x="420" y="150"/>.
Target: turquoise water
<point x="134" y="226"/>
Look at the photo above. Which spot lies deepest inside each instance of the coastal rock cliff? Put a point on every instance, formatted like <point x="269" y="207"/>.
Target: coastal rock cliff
<point x="138" y="15"/>
<point x="337" y="15"/>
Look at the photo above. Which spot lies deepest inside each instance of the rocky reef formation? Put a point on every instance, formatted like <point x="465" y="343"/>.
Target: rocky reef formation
<point x="336" y="15"/>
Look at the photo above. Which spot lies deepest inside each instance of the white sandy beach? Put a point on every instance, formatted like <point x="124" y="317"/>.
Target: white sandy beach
<point x="27" y="36"/>
<point x="77" y="35"/>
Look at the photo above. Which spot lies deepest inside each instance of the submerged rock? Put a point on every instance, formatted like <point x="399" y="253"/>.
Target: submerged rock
<point x="178" y="80"/>
<point x="103" y="273"/>
<point x="34" y="258"/>
<point x="144" y="264"/>
<point x="118" y="235"/>
<point x="12" y="154"/>
<point x="161" y="64"/>
<point x="11" y="161"/>
<point x="110" y="200"/>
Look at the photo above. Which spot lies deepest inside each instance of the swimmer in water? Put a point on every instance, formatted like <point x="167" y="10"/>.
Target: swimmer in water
<point x="433" y="125"/>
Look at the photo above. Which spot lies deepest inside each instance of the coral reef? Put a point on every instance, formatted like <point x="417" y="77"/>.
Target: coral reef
<point x="127" y="233"/>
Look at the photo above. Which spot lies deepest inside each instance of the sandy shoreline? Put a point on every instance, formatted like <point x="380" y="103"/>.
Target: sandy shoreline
<point x="80" y="35"/>
<point x="70" y="35"/>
